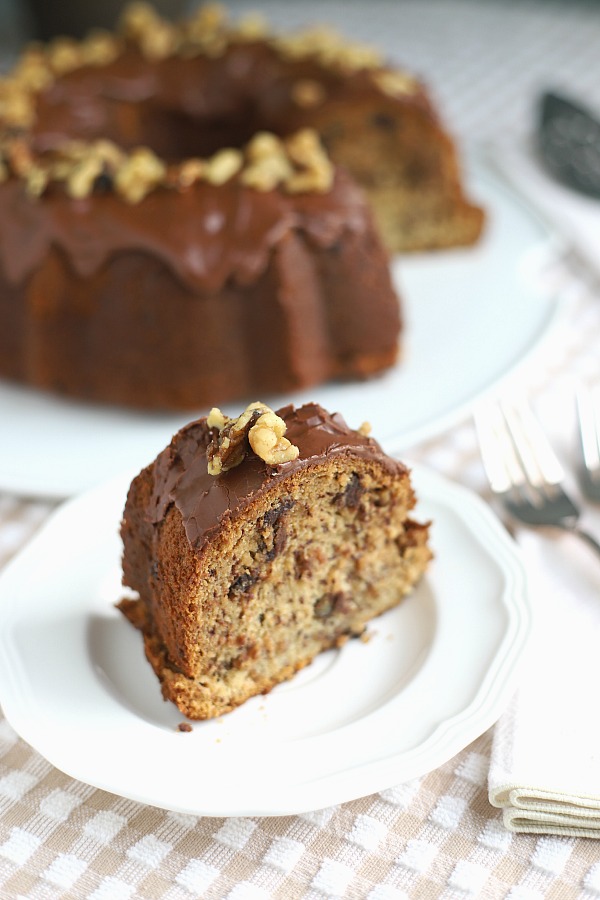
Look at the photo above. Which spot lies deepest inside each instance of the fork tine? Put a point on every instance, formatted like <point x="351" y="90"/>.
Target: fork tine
<point x="524" y="470"/>
<point x="540" y="463"/>
<point x="589" y="425"/>
<point x="498" y="455"/>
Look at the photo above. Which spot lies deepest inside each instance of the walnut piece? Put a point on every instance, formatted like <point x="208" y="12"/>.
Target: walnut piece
<point x="16" y="105"/>
<point x="64" y="55"/>
<point x="307" y="93"/>
<point x="216" y="419"/>
<point x="80" y="182"/>
<point x="223" y="166"/>
<point x="257" y="428"/>
<point x="36" y="181"/>
<point x="205" y="32"/>
<point x="229" y="444"/>
<point x="329" y="48"/>
<point x="139" y="174"/>
<point x="190" y="171"/>
<point x="159" y="42"/>
<point x="251" y="27"/>
<point x="137" y="19"/>
<point x="316" y="172"/>
<point x="267" y="162"/>
<point x="99" y="48"/>
<point x="20" y="157"/>
<point x="32" y="71"/>
<point x="264" y="145"/>
<point x="395" y="83"/>
<point x="267" y="440"/>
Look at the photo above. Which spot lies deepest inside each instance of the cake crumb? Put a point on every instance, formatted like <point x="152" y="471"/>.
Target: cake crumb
<point x="184" y="726"/>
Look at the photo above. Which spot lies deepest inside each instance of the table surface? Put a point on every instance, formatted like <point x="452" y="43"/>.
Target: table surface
<point x="438" y="836"/>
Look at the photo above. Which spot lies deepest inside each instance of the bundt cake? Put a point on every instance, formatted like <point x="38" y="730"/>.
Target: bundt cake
<point x="155" y="305"/>
<point x="171" y="229"/>
<point x="255" y="543"/>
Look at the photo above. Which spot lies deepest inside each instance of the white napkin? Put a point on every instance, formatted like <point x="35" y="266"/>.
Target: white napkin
<point x="545" y="763"/>
<point x="575" y="217"/>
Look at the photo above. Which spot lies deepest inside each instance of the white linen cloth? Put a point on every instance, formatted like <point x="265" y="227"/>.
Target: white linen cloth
<point x="545" y="761"/>
<point x="574" y="216"/>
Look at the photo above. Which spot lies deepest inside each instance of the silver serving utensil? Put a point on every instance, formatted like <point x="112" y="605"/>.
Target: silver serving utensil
<point x="568" y="137"/>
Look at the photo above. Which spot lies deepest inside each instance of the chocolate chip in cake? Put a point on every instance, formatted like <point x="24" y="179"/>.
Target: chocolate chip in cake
<point x="273" y="515"/>
<point x="279" y="541"/>
<point x="273" y="520"/>
<point x="353" y="491"/>
<point x="323" y="607"/>
<point x="242" y="583"/>
<point x="302" y="564"/>
<point x="383" y="121"/>
<point x="342" y="602"/>
<point x="337" y="601"/>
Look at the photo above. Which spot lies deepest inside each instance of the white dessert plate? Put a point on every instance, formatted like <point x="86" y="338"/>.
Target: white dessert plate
<point x="472" y="316"/>
<point x="435" y="673"/>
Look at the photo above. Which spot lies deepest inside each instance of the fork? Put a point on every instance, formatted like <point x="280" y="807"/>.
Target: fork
<point x="588" y="409"/>
<point x="523" y="470"/>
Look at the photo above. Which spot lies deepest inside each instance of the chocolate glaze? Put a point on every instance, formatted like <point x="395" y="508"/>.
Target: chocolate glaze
<point x="180" y="107"/>
<point x="197" y="295"/>
<point x="246" y="88"/>
<point x="204" y="501"/>
<point x="205" y="235"/>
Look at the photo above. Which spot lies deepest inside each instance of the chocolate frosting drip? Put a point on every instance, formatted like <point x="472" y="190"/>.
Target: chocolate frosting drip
<point x="181" y="477"/>
<point x="205" y="235"/>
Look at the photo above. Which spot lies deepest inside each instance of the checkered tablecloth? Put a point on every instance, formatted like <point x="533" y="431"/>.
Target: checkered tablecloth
<point x="436" y="836"/>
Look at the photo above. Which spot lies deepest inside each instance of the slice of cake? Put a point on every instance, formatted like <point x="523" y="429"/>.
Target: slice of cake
<point x="255" y="543"/>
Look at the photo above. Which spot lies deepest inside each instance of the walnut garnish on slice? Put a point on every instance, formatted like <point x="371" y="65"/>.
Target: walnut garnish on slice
<point x="230" y="444"/>
<point x="258" y="429"/>
<point x="267" y="439"/>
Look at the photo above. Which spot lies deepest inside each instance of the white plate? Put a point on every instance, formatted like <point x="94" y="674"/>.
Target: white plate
<point x="436" y="673"/>
<point x="471" y="316"/>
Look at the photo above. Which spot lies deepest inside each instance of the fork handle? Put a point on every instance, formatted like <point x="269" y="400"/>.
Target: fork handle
<point x="587" y="537"/>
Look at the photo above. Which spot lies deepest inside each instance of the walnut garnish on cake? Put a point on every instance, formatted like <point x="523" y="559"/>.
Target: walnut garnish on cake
<point x="257" y="429"/>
